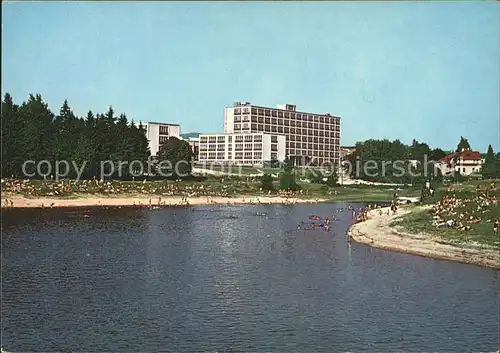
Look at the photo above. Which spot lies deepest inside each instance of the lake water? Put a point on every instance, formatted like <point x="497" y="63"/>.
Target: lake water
<point x="224" y="279"/>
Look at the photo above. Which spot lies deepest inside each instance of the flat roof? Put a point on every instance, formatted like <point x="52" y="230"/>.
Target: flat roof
<point x="155" y="122"/>
<point x="289" y="111"/>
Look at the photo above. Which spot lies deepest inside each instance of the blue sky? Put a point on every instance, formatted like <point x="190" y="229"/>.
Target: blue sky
<point x="404" y="70"/>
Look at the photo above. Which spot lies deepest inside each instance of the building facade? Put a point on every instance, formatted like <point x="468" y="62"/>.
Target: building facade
<point x="310" y="138"/>
<point x="157" y="133"/>
<point x="463" y="162"/>
<point x="243" y="149"/>
<point x="194" y="142"/>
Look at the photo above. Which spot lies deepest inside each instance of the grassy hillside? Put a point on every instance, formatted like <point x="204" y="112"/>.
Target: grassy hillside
<point x="460" y="213"/>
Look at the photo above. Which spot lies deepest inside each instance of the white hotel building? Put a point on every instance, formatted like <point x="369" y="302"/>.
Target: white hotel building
<point x="309" y="136"/>
<point x="243" y="149"/>
<point x="157" y="133"/>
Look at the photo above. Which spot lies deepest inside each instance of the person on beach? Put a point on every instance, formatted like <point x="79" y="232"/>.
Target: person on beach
<point x="496" y="226"/>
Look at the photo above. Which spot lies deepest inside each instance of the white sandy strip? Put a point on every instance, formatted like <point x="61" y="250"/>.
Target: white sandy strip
<point x="378" y="233"/>
<point x="20" y="201"/>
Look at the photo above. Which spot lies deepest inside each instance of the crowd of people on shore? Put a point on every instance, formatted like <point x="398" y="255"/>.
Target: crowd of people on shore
<point x="363" y="213"/>
<point x="52" y="188"/>
<point x="49" y="188"/>
<point x="462" y="213"/>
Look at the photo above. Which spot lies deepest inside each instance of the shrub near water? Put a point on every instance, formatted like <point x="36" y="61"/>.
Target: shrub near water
<point x="267" y="182"/>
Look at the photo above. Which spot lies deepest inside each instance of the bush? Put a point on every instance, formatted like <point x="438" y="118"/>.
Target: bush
<point x="287" y="182"/>
<point x="333" y="179"/>
<point x="266" y="182"/>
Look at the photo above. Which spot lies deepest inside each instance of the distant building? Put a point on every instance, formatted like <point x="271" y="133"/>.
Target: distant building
<point x="158" y="133"/>
<point x="194" y="142"/>
<point x="464" y="162"/>
<point x="309" y="136"/>
<point x="346" y="151"/>
<point x="243" y="149"/>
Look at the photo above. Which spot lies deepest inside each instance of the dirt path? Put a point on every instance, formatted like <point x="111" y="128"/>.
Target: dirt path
<point x="378" y="233"/>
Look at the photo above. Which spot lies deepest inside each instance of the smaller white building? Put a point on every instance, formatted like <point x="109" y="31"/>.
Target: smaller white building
<point x="194" y="142"/>
<point x="252" y="149"/>
<point x="157" y="133"/>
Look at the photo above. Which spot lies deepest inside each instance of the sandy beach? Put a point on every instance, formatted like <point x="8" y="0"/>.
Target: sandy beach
<point x="145" y="200"/>
<point x="378" y="233"/>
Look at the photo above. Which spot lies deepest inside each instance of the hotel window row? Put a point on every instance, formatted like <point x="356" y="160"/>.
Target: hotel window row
<point x="307" y="135"/>
<point x="243" y="149"/>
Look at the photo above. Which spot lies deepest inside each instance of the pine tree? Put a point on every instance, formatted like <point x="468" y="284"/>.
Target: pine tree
<point x="333" y="178"/>
<point x="266" y="182"/>
<point x="11" y="126"/>
<point x="463" y="145"/>
<point x="67" y="129"/>
<point x="36" y="137"/>
<point x="489" y="169"/>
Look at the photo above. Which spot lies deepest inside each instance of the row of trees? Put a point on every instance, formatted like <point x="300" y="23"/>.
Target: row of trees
<point x="395" y="162"/>
<point x="31" y="131"/>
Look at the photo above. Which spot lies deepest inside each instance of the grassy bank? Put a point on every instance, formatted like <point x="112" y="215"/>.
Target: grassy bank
<point x="462" y="213"/>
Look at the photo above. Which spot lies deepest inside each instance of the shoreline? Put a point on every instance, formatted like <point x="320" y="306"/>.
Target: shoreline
<point x="377" y="232"/>
<point x="147" y="201"/>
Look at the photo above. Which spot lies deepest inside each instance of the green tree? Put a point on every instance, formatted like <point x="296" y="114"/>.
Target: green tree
<point x="463" y="145"/>
<point x="490" y="167"/>
<point x="36" y="137"/>
<point x="175" y="158"/>
<point x="498" y="164"/>
<point x="287" y="176"/>
<point x="266" y="182"/>
<point x="31" y="132"/>
<point x="333" y="179"/>
<point x="436" y="154"/>
<point x="66" y="128"/>
<point x="418" y="151"/>
<point x="141" y="144"/>
<point x="287" y="181"/>
<point x="11" y="125"/>
<point x="287" y="165"/>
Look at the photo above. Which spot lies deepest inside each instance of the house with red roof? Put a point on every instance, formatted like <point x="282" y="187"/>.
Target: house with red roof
<point x="464" y="162"/>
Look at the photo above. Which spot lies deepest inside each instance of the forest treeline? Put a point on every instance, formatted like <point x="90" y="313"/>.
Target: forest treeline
<point x="31" y="131"/>
<point x="409" y="164"/>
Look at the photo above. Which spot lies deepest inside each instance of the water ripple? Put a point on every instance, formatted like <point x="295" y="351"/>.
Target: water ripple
<point x="225" y="279"/>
